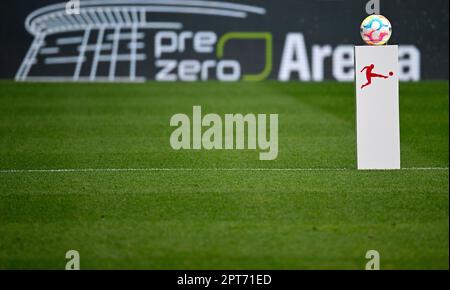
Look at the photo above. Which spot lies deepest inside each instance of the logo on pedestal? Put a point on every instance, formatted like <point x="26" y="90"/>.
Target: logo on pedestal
<point x="370" y="74"/>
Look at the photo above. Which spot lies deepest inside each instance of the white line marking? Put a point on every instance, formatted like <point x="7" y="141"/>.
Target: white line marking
<point x="126" y="16"/>
<point x="103" y="20"/>
<point x="87" y="19"/>
<point x="80" y="170"/>
<point x="81" y="20"/>
<point x="125" y="36"/>
<point x="69" y="40"/>
<point x="70" y="20"/>
<point x="118" y="16"/>
<point x="81" y="56"/>
<point x="98" y="79"/>
<point x="112" y="20"/>
<point x="98" y="48"/>
<point x="87" y="15"/>
<point x="143" y="14"/>
<point x="49" y="50"/>
<point x="94" y="16"/>
<point x="426" y="168"/>
<point x="64" y="60"/>
<point x="134" y="16"/>
<point x="63" y="20"/>
<point x="94" y="47"/>
<point x="121" y="57"/>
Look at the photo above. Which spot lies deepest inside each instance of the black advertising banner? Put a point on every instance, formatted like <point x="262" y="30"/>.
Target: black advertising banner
<point x="197" y="40"/>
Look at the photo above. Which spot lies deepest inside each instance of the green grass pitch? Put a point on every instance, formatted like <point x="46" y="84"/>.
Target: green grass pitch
<point x="216" y="219"/>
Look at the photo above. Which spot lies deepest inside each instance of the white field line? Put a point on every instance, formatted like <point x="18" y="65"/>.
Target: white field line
<point x="64" y="59"/>
<point x="133" y="50"/>
<point x="206" y="169"/>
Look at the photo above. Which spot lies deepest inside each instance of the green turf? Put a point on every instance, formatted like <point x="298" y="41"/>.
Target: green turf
<point x="216" y="219"/>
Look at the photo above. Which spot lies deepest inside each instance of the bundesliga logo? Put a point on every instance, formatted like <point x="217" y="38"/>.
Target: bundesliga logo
<point x="369" y="75"/>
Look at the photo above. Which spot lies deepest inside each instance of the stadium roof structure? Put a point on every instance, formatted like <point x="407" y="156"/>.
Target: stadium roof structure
<point x="102" y="15"/>
<point x="127" y="13"/>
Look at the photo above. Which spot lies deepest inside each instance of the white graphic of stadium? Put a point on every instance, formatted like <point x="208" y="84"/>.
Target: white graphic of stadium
<point x="106" y="34"/>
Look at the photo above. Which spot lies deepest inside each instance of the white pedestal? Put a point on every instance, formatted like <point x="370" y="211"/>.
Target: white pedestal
<point x="377" y="107"/>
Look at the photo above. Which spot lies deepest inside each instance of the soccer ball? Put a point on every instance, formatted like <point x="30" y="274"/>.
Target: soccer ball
<point x="376" y="30"/>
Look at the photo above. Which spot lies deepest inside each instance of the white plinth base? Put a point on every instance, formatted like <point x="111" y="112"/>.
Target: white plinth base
<point x="377" y="107"/>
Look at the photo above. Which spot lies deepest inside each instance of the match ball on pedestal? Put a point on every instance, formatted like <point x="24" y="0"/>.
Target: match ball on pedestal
<point x="376" y="30"/>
